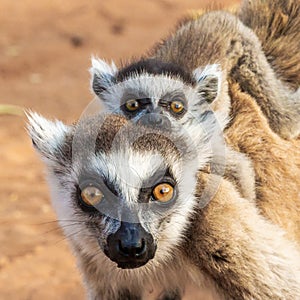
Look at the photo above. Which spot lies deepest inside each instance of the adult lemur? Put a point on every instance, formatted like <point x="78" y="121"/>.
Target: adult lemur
<point x="132" y="198"/>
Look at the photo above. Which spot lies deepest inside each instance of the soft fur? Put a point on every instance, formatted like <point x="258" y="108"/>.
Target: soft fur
<point x="276" y="23"/>
<point x="276" y="162"/>
<point x="245" y="242"/>
<point x="225" y="40"/>
<point x="226" y="243"/>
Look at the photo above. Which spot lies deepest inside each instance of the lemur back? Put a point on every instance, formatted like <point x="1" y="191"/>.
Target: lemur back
<point x="220" y="37"/>
<point x="276" y="23"/>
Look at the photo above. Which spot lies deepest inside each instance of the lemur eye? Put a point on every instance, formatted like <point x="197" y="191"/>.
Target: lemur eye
<point x="163" y="192"/>
<point x="132" y="105"/>
<point x="177" y="107"/>
<point x="91" y="195"/>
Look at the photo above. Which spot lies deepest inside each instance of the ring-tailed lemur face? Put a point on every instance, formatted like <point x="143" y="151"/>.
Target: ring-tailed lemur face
<point x="120" y="187"/>
<point x="156" y="93"/>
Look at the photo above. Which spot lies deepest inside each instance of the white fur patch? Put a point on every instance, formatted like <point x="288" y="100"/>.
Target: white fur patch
<point x="213" y="70"/>
<point x="101" y="67"/>
<point x="128" y="170"/>
<point x="157" y="86"/>
<point x="47" y="136"/>
<point x="154" y="86"/>
<point x="210" y="71"/>
<point x="103" y="71"/>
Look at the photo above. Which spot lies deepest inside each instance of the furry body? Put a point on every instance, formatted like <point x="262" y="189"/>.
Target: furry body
<point x="237" y="49"/>
<point x="277" y="27"/>
<point x="228" y="244"/>
<point x="239" y="248"/>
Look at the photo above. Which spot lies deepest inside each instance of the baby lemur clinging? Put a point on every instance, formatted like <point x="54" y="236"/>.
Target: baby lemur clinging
<point x="170" y="86"/>
<point x="215" y="38"/>
<point x="155" y="93"/>
<point x="134" y="192"/>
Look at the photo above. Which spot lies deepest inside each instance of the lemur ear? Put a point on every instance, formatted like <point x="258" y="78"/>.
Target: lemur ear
<point x="48" y="137"/>
<point x="209" y="81"/>
<point x="102" y="75"/>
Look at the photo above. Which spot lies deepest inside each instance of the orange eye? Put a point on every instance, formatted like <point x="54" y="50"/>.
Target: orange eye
<point x="91" y="195"/>
<point x="132" y="105"/>
<point x="177" y="107"/>
<point x="163" y="192"/>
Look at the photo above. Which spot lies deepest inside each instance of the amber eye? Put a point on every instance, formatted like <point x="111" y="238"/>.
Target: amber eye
<point x="163" y="192"/>
<point x="177" y="107"/>
<point x="91" y="195"/>
<point x="132" y="105"/>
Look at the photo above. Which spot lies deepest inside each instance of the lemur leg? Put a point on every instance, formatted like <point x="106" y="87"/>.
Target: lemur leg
<point x="245" y="254"/>
<point x="252" y="71"/>
<point x="239" y="170"/>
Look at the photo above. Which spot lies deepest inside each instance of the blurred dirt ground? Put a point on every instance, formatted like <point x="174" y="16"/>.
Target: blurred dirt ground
<point x="45" y="49"/>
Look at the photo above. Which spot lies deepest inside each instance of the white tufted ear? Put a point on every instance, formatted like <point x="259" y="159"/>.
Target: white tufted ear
<point x="102" y="75"/>
<point x="48" y="137"/>
<point x="209" y="81"/>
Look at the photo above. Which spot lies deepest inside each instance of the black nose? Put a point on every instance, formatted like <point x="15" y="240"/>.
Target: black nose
<point x="131" y="246"/>
<point x="155" y="120"/>
<point x="132" y="250"/>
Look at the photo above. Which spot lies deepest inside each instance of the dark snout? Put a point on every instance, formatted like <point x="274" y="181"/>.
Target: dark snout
<point x="131" y="246"/>
<point x="155" y="120"/>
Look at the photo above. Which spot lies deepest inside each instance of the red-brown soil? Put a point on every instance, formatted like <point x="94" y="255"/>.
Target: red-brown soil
<point x="45" y="49"/>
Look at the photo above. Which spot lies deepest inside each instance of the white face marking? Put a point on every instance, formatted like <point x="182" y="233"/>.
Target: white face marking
<point x="208" y="78"/>
<point x="152" y="86"/>
<point x="157" y="86"/>
<point x="129" y="177"/>
<point x="128" y="170"/>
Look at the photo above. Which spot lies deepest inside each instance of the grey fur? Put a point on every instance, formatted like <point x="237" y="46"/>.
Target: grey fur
<point x="225" y="243"/>
<point x="219" y="37"/>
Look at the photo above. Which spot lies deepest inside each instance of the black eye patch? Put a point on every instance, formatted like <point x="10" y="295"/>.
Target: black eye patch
<point x="175" y="103"/>
<point x="107" y="188"/>
<point x="147" y="187"/>
<point x="141" y="104"/>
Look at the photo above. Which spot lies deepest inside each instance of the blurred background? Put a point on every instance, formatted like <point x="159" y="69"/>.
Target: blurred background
<point x="45" y="50"/>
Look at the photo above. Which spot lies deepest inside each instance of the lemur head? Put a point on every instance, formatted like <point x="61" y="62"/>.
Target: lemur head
<point x="120" y="188"/>
<point x="159" y="93"/>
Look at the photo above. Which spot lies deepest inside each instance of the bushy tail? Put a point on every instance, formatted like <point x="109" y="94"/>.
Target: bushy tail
<point x="277" y="25"/>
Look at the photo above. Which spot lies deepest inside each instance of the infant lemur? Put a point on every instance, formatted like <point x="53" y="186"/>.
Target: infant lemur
<point x="205" y="54"/>
<point x="178" y="84"/>
<point x="143" y="193"/>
